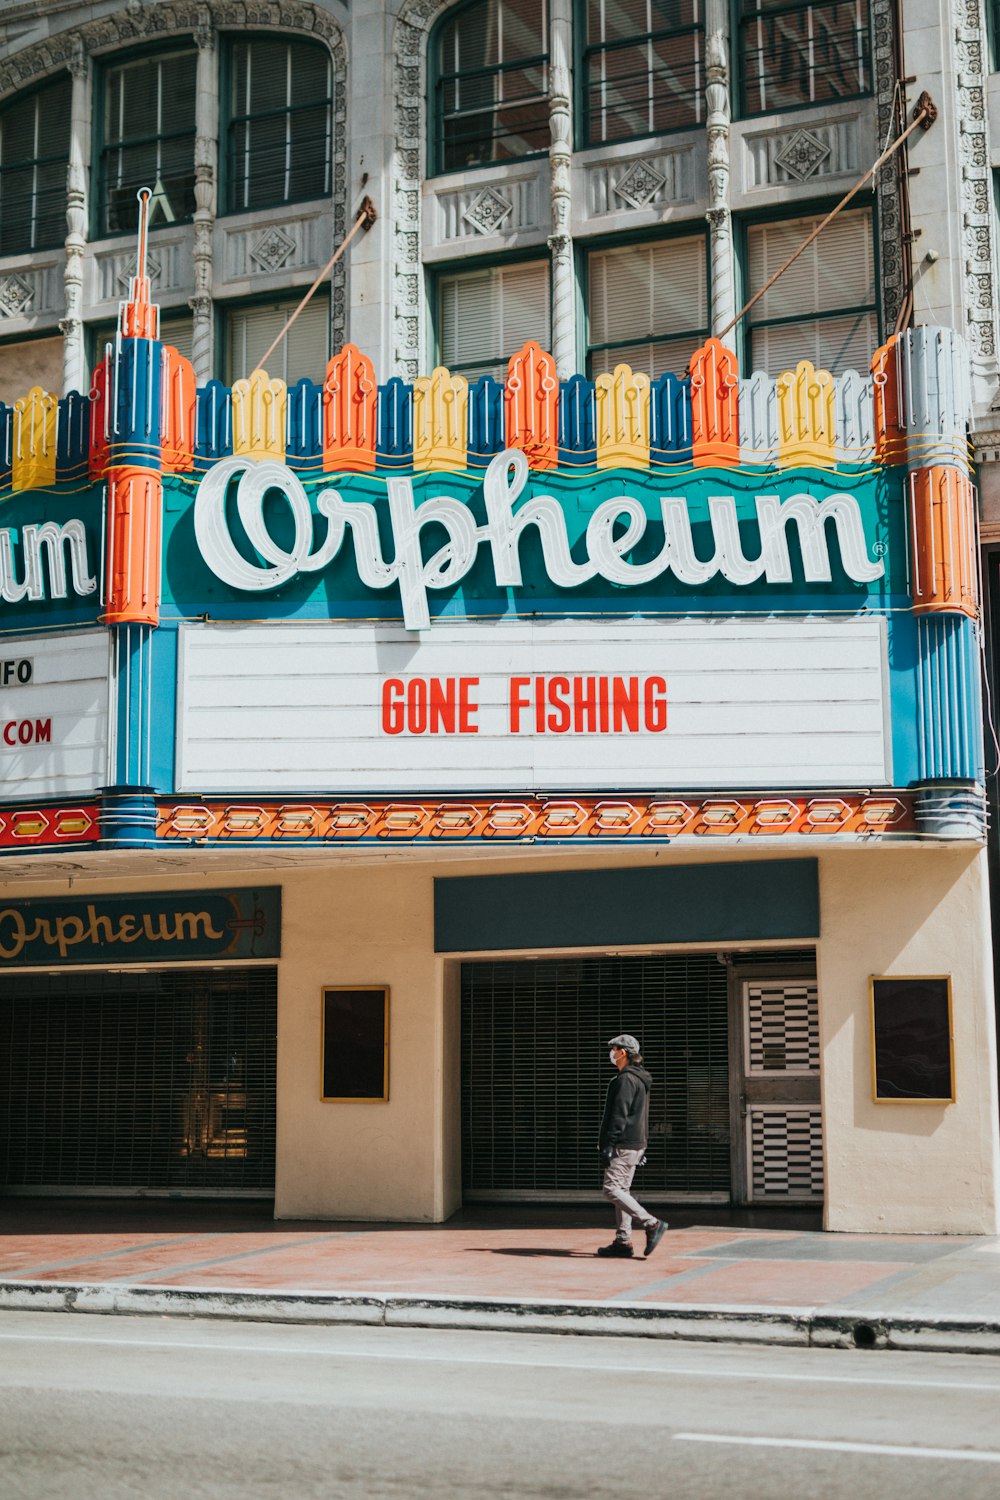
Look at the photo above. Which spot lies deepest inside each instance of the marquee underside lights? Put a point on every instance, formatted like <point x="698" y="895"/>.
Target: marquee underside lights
<point x="554" y="819"/>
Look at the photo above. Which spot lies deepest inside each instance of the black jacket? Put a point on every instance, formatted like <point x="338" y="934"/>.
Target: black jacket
<point x="626" y="1110"/>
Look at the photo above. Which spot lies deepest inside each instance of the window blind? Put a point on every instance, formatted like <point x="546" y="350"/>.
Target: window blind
<point x="486" y="316"/>
<point x="302" y="353"/>
<point x="648" y="305"/>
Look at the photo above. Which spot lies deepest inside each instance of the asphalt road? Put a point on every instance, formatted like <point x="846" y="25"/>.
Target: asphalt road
<point x="104" y="1408"/>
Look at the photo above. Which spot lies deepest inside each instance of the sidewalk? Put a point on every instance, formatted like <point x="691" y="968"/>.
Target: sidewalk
<point x="755" y="1277"/>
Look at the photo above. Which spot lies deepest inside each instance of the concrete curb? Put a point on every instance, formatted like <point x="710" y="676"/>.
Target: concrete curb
<point x="802" y="1327"/>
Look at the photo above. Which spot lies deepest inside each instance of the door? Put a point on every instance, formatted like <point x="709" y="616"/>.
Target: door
<point x="780" y="1160"/>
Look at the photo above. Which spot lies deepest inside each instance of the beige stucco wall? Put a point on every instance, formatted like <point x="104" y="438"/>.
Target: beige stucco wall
<point x="902" y="1167"/>
<point x="902" y="909"/>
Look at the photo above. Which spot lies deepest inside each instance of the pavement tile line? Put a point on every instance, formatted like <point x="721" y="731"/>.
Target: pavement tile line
<point x="804" y="1327"/>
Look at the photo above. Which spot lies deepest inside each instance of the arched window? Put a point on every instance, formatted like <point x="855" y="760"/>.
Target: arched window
<point x="644" y="68"/>
<point x="490" y="70"/>
<point x="279" y="102"/>
<point x="147" y="139"/>
<point x="34" y="153"/>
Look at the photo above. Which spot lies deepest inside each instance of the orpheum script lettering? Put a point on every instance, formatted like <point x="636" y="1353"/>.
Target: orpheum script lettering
<point x="24" y="578"/>
<point x="614" y="530"/>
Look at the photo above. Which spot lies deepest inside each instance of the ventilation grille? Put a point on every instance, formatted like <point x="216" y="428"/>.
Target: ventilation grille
<point x="784" y="1028"/>
<point x="156" y="1080"/>
<point x="786" y="1153"/>
<point x="535" y="1071"/>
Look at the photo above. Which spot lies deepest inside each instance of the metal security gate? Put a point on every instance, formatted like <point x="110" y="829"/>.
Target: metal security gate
<point x="535" y="1070"/>
<point x="154" y="1080"/>
<point x="781" y="1080"/>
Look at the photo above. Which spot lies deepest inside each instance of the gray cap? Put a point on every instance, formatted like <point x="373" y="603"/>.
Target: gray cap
<point x="628" y="1042"/>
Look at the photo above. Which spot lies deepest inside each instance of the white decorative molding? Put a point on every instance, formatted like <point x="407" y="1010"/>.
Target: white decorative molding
<point x="16" y="295"/>
<point x="409" y="48"/>
<point x="126" y="267"/>
<point x="273" y="249"/>
<point x="488" y="211"/>
<point x="476" y="212"/>
<point x="138" y="23"/>
<point x="802" y="155"/>
<point x="250" y="250"/>
<point x="976" y="189"/>
<point x="168" y="267"/>
<point x="773" y="158"/>
<point x="657" y="179"/>
<point x="33" y="291"/>
<point x="894" y="254"/>
<point x="640" y="184"/>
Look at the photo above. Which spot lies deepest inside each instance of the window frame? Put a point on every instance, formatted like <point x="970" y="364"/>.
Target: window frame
<point x="691" y="229"/>
<point x="813" y="208"/>
<point x="436" y="77"/>
<point x="227" y="121"/>
<point x="582" y="53"/>
<point x="60" y="76"/>
<point x="738" y="19"/>
<point x="470" y="267"/>
<point x="101" y="150"/>
<point x="224" y="307"/>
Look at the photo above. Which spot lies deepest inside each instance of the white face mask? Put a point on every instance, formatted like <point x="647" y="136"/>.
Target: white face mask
<point x="611" y="1059"/>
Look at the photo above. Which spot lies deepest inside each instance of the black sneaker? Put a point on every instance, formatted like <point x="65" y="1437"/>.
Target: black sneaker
<point x="655" y="1235"/>
<point x="622" y="1249"/>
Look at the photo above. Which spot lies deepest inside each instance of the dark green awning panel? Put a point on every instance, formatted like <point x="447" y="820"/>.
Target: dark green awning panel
<point x="711" y="903"/>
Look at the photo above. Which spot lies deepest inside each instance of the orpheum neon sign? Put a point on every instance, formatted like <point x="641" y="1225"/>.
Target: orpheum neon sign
<point x="608" y="542"/>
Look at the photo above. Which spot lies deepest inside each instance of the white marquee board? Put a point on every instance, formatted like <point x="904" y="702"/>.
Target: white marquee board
<point x="54" y="696"/>
<point x="707" y="703"/>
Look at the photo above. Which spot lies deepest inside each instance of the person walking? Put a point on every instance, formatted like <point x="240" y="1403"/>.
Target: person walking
<point x="622" y="1143"/>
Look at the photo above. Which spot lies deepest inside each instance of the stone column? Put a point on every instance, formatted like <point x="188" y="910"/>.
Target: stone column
<point x="75" y="374"/>
<point x="719" y="217"/>
<point x="564" y="348"/>
<point x="206" y="180"/>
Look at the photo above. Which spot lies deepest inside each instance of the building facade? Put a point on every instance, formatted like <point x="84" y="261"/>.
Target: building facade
<point x="534" y="649"/>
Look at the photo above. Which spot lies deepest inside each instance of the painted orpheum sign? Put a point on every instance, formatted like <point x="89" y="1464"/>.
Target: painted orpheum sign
<point x="165" y="928"/>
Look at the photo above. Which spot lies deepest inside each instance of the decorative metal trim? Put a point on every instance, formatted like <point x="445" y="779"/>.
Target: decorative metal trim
<point x="534" y="819"/>
<point x="47" y="827"/>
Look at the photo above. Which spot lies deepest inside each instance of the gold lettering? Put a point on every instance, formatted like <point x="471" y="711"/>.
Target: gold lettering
<point x="127" y="932"/>
<point x="163" y="933"/>
<point x="69" y="932"/>
<point x="187" y="923"/>
<point x="18" y="936"/>
<point x="43" y="930"/>
<point x="96" y="923"/>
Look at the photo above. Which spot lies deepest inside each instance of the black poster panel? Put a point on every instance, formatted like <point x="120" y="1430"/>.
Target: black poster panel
<point x="911" y="1035"/>
<point x="356" y="1044"/>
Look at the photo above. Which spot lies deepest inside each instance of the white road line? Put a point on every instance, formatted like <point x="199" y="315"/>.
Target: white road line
<point x="878" y="1450"/>
<point x="388" y="1356"/>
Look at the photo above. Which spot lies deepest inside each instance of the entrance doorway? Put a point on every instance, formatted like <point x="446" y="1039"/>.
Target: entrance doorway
<point x="139" y="1080"/>
<point x="732" y="1042"/>
<point x="535" y="1070"/>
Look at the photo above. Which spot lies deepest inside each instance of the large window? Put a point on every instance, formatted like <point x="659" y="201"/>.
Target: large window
<point x="486" y="316"/>
<point x="148" y="139"/>
<point x="491" y="65"/>
<point x="648" y="305"/>
<point x="34" y="152"/>
<point x="644" y="68"/>
<point x="823" y="307"/>
<point x="278" y="132"/>
<point x="302" y="353"/>
<point x="795" y="54"/>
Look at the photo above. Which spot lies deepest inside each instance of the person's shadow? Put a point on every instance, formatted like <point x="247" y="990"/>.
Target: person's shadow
<point x="483" y="1250"/>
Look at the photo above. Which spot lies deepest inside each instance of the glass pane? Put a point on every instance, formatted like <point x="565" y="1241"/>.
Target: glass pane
<point x="489" y="108"/>
<point x="16" y="212"/>
<point x="646" y="291"/>
<point x="806" y="55"/>
<point x="177" y="329"/>
<point x="310" y="174"/>
<point x="665" y="356"/>
<point x="837" y="270"/>
<point x="486" y="316"/>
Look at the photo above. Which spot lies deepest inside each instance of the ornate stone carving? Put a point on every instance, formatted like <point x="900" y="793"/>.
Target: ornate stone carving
<point x="127" y="270"/>
<point x="639" y="184"/>
<point x="488" y="211"/>
<point x="409" y="45"/>
<point x="723" y="300"/>
<point x="977" y="222"/>
<point x="894" y="255"/>
<point x="802" y="155"/>
<point x="272" y="249"/>
<point x="16" y="296"/>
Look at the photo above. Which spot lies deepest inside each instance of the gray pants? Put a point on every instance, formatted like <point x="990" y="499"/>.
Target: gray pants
<point x="617" y="1180"/>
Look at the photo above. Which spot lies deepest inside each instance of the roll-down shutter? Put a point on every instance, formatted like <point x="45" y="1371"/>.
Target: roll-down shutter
<point x="162" y="1079"/>
<point x="535" y="1071"/>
